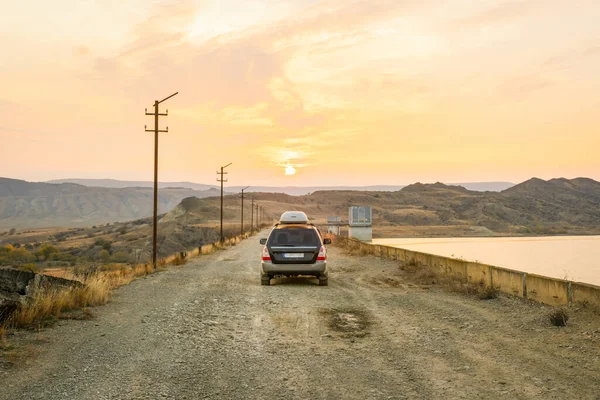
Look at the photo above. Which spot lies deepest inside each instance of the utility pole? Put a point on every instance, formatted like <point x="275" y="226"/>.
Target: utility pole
<point x="259" y="216"/>
<point x="156" y="131"/>
<point x="252" y="216"/>
<point x="242" y="228"/>
<point x="257" y="221"/>
<point x="222" y="180"/>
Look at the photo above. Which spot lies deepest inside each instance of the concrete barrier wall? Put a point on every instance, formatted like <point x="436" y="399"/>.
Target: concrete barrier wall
<point x="479" y="273"/>
<point x="585" y="293"/>
<point x="509" y="281"/>
<point x="547" y="290"/>
<point x="518" y="283"/>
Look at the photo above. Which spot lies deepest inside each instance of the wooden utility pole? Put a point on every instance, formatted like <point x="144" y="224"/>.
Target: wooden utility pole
<point x="222" y="180"/>
<point x="242" y="224"/>
<point x="156" y="132"/>
<point x="252" y="216"/>
<point x="257" y="219"/>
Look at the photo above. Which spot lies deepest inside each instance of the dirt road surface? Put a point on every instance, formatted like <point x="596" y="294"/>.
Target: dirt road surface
<point x="209" y="330"/>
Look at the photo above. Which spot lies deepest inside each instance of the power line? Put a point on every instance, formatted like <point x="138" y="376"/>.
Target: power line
<point x="156" y="131"/>
<point x="222" y="180"/>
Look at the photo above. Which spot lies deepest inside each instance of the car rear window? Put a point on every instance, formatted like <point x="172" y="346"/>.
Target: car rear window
<point x="293" y="237"/>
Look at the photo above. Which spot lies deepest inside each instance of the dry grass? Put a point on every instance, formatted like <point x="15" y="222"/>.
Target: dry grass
<point x="351" y="248"/>
<point x="487" y="293"/>
<point x="3" y="342"/>
<point x="179" y="259"/>
<point x="48" y="303"/>
<point x="420" y="273"/>
<point x="52" y="303"/>
<point x="478" y="289"/>
<point x="425" y="275"/>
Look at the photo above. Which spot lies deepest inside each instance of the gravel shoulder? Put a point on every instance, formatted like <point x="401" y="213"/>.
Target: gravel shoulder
<point x="209" y="330"/>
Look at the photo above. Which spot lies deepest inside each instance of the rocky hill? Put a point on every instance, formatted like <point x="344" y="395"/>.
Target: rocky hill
<point x="535" y="206"/>
<point x="36" y="204"/>
<point x="557" y="206"/>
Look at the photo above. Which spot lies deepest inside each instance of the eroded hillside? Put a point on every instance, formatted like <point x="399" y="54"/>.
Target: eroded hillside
<point x="558" y="206"/>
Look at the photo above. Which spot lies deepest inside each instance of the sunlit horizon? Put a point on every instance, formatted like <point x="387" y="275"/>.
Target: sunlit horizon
<point x="302" y="93"/>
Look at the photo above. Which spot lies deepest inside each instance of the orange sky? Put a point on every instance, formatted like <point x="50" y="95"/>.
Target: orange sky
<point x="342" y="92"/>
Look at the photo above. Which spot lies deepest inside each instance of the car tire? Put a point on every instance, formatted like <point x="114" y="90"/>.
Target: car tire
<point x="265" y="281"/>
<point x="323" y="281"/>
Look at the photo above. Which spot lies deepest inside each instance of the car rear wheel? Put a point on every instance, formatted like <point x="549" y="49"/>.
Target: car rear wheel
<point x="265" y="281"/>
<point x="323" y="281"/>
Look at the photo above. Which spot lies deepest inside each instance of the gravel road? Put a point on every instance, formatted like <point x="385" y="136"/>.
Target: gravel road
<point x="209" y="330"/>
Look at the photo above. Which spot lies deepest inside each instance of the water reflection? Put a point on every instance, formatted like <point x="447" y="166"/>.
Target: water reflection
<point x="575" y="257"/>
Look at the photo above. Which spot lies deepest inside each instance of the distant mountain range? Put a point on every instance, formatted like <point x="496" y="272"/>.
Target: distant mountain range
<point x="557" y="206"/>
<point x="291" y="190"/>
<point x="114" y="183"/>
<point x="37" y="204"/>
<point x="535" y="206"/>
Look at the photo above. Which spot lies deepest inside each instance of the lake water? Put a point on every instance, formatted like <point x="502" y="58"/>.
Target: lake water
<point x="574" y="257"/>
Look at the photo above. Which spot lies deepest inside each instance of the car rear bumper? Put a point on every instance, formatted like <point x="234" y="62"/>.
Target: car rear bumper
<point x="317" y="268"/>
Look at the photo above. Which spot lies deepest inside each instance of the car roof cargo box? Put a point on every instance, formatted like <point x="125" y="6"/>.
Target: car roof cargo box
<point x="293" y="217"/>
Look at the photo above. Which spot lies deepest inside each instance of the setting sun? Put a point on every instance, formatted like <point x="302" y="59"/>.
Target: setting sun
<point x="289" y="170"/>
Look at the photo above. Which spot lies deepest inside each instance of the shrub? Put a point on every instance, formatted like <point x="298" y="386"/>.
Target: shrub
<point x="21" y="255"/>
<point x="487" y="293"/>
<point x="29" y="267"/>
<point x="104" y="255"/>
<point x="558" y="316"/>
<point x="46" y="251"/>
<point x="120" y="257"/>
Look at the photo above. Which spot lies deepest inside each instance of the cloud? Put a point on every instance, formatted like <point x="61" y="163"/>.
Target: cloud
<point x="572" y="57"/>
<point x="298" y="156"/>
<point x="500" y="13"/>
<point x="523" y="85"/>
<point x="81" y="50"/>
<point x="592" y="51"/>
<point x="332" y="79"/>
<point x="253" y="116"/>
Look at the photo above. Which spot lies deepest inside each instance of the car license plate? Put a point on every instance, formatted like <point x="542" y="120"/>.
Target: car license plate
<point x="293" y="255"/>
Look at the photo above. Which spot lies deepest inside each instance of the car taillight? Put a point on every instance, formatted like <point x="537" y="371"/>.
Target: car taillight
<point x="265" y="255"/>
<point x="322" y="254"/>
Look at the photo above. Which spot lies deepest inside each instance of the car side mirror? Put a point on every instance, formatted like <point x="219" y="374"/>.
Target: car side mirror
<point x="263" y="241"/>
<point x="326" y="241"/>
